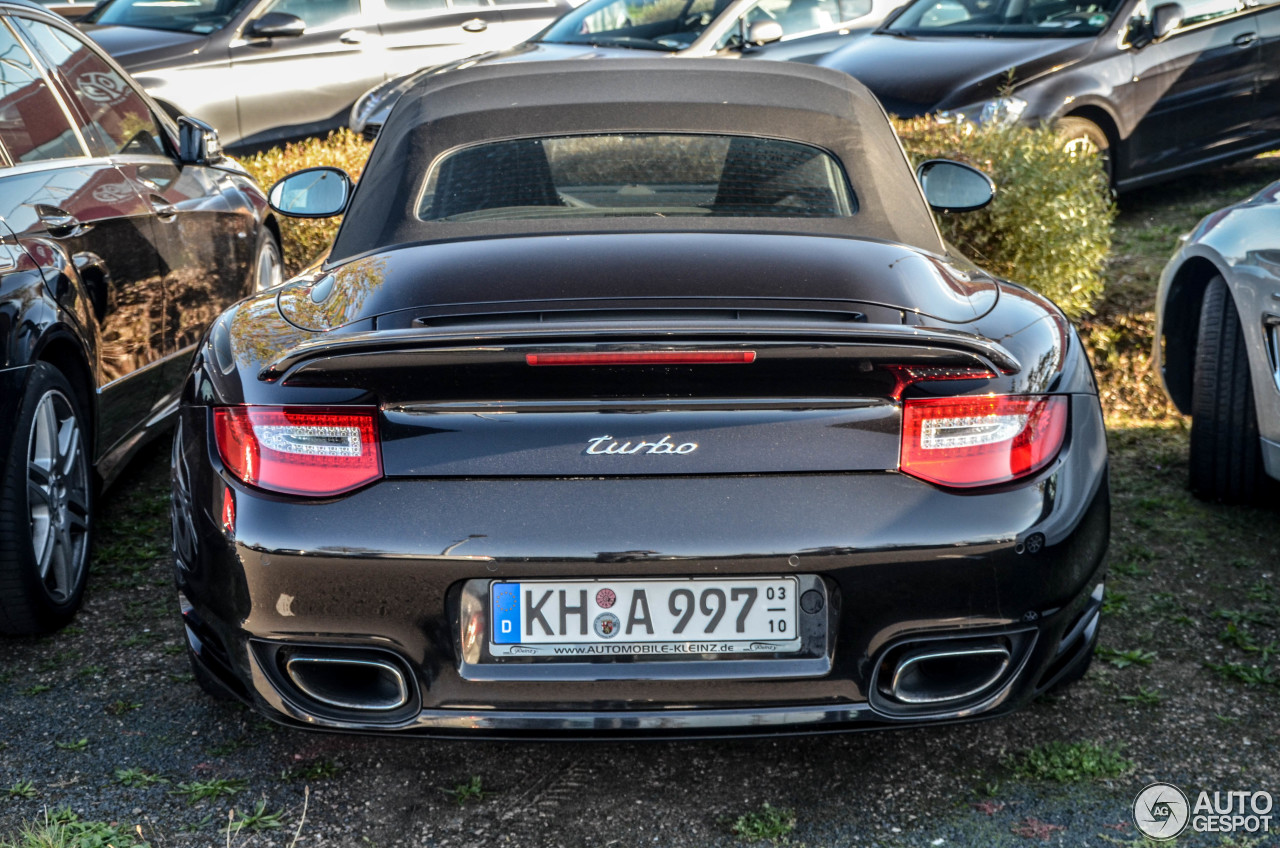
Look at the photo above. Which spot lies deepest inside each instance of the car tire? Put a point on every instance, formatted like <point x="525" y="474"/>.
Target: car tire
<point x="1081" y="134"/>
<point x="1226" y="454"/>
<point x="46" y="508"/>
<point x="268" y="262"/>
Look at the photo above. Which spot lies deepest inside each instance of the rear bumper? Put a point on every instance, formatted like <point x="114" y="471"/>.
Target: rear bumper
<point x="383" y="569"/>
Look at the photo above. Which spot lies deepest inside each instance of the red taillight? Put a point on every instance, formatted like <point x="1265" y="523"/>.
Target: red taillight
<point x="978" y="441"/>
<point x="645" y="357"/>
<point x="297" y="450"/>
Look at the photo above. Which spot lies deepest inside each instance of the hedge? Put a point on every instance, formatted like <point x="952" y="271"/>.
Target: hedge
<point x="1049" y="226"/>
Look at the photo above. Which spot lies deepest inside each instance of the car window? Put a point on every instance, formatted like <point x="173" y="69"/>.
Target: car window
<point x="196" y="16"/>
<point x="432" y="7"/>
<point x="33" y="125"/>
<point x="1199" y="11"/>
<point x="119" y="120"/>
<point x="798" y="16"/>
<point x="319" y="14"/>
<point x="666" y="25"/>
<point x="851" y="9"/>
<point x="794" y="16"/>
<point x="1006" y="18"/>
<point x="640" y="174"/>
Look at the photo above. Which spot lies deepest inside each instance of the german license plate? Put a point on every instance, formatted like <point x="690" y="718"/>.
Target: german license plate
<point x="665" y="617"/>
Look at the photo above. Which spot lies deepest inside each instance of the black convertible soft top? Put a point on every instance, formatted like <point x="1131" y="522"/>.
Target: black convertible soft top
<point x="795" y="102"/>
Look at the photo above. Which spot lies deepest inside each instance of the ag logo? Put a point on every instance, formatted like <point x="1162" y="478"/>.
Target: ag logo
<point x="1161" y="811"/>
<point x="102" y="87"/>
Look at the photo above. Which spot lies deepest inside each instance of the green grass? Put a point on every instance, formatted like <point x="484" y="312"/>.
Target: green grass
<point x="463" y="793"/>
<point x="23" y="789"/>
<point x="117" y="708"/>
<point x="64" y="829"/>
<point x="318" y="770"/>
<point x="1070" y="762"/>
<point x="1257" y="617"/>
<point x="135" y="777"/>
<point x="222" y="749"/>
<point x="205" y="790"/>
<point x="1250" y="675"/>
<point x="81" y="744"/>
<point x="1115" y="602"/>
<point x="36" y="689"/>
<point x="258" y="819"/>
<point x="768" y="822"/>
<point x="1143" y="697"/>
<point x="1124" y="659"/>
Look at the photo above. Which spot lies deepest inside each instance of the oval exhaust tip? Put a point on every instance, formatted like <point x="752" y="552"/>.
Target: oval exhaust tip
<point x="349" y="683"/>
<point x="938" y="674"/>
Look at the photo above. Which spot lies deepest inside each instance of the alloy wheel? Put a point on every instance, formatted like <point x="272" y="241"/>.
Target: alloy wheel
<point x="58" y="495"/>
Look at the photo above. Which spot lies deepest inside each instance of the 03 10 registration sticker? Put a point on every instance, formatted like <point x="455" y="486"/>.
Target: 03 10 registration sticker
<point x="671" y="617"/>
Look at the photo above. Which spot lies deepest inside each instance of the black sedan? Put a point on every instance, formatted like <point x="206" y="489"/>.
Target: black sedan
<point x="655" y="409"/>
<point x="121" y="237"/>
<point x="262" y="71"/>
<point x="1218" y="346"/>
<point x="1162" y="88"/>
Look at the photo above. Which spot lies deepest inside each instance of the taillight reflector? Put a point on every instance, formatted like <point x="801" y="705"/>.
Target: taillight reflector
<point x="301" y="451"/>
<point x="979" y="441"/>
<point x="228" y="511"/>
<point x="645" y="357"/>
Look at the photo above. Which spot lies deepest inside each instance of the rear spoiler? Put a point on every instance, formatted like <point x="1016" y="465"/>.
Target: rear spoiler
<point x="329" y="359"/>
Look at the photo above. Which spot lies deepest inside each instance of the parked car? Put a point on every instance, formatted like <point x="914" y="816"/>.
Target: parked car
<point x="1161" y="88"/>
<point x="793" y="30"/>
<point x="655" y="408"/>
<point x="69" y="9"/>
<point x="267" y="70"/>
<point x="1218" y="346"/>
<point x="121" y="235"/>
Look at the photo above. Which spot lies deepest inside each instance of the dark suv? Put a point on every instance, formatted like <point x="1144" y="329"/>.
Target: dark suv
<point x="121" y="235"/>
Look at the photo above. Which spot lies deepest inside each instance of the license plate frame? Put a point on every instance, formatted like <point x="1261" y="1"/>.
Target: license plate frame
<point x="614" y="617"/>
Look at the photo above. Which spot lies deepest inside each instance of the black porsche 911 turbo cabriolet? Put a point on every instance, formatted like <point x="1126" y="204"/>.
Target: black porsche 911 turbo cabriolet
<point x="640" y="396"/>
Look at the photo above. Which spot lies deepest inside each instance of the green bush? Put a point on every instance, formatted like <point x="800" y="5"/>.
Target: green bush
<point x="1050" y="225"/>
<point x="304" y="239"/>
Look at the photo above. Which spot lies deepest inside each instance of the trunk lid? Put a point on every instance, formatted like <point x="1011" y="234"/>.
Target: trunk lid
<point x="823" y="339"/>
<point x="526" y="276"/>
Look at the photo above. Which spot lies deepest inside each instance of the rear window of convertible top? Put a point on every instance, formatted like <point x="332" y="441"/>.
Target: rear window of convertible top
<point x="638" y="174"/>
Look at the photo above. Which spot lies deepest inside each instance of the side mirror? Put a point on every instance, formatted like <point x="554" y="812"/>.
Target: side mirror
<point x="311" y="193"/>
<point x="1165" y="18"/>
<point x="276" y="25"/>
<point x="1138" y="33"/>
<point x="953" y="186"/>
<point x="764" y="32"/>
<point x="198" y="143"/>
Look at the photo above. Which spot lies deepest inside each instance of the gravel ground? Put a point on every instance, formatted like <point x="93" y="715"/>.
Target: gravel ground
<point x="104" y="720"/>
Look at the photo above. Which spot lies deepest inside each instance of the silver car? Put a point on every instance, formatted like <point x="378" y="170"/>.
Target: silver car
<point x="261" y="71"/>
<point x="1218" y="346"/>
<point x="787" y="30"/>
